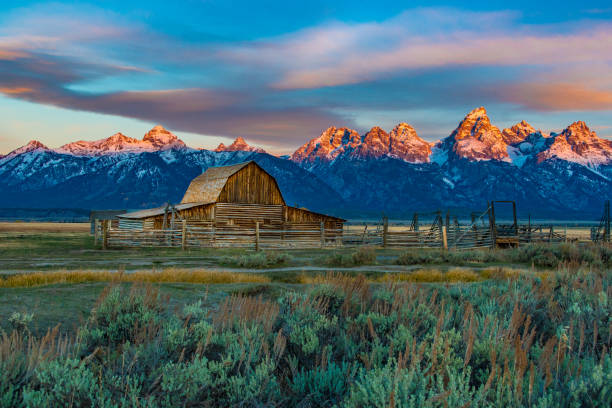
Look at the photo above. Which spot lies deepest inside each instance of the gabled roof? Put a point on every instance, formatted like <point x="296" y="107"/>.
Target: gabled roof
<point x="208" y="185"/>
<point x="152" y="212"/>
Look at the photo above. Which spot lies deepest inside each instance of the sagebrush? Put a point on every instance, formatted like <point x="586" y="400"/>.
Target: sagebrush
<point x="513" y="341"/>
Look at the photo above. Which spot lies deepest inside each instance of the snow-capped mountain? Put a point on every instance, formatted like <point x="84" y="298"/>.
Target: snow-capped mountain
<point x="239" y="145"/>
<point x="518" y="133"/>
<point x="32" y="146"/>
<point x="45" y="178"/>
<point x="563" y="174"/>
<point x="155" y="139"/>
<point x="401" y="143"/>
<point x="578" y="144"/>
<point x="342" y="172"/>
<point x="475" y="139"/>
<point x="332" y="143"/>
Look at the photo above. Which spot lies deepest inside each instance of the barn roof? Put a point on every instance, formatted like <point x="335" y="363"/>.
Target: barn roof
<point x="208" y="185"/>
<point x="318" y="213"/>
<point x="152" y="212"/>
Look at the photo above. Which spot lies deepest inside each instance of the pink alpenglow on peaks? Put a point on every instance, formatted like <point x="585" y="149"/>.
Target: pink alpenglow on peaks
<point x="156" y="139"/>
<point x="332" y="142"/>
<point x="401" y="143"/>
<point x="32" y="146"/>
<point x="405" y="144"/>
<point x="477" y="139"/>
<point x="517" y="133"/>
<point x="239" y="145"/>
<point x="162" y="139"/>
<point x="578" y="144"/>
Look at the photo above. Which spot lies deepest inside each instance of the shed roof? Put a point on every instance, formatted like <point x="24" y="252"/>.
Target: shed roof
<point x="152" y="212"/>
<point x="318" y="213"/>
<point x="208" y="185"/>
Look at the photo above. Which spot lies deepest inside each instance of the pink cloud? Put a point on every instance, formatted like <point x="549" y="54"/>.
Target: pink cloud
<point x="340" y="54"/>
<point x="556" y="96"/>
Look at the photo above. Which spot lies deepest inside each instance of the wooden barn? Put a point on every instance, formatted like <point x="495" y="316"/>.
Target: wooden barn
<point x="233" y="198"/>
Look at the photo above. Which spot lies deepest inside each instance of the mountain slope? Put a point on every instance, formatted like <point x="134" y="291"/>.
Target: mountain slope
<point x="567" y="174"/>
<point x="51" y="179"/>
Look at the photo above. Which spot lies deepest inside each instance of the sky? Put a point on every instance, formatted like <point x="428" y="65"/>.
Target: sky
<point x="279" y="72"/>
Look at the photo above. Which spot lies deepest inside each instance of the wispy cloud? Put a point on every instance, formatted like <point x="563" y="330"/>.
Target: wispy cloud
<point x="343" y="54"/>
<point x="283" y="89"/>
<point x="556" y="97"/>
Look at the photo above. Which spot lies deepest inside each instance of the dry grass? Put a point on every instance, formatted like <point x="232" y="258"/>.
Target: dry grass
<point x="44" y="227"/>
<point x="170" y="275"/>
<point x="455" y="275"/>
<point x="433" y="275"/>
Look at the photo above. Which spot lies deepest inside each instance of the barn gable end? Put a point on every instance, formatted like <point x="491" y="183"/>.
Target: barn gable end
<point x="244" y="183"/>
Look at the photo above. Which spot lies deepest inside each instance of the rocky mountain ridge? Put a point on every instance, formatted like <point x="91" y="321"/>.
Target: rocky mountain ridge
<point x="567" y="174"/>
<point x="239" y="145"/>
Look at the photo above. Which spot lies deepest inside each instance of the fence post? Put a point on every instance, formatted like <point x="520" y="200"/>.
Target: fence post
<point x="184" y="235"/>
<point x="256" y="235"/>
<point x="385" y="231"/>
<point x="322" y="234"/>
<point x="565" y="233"/>
<point x="105" y="229"/>
<point x="444" y="237"/>
<point x="550" y="234"/>
<point x="96" y="232"/>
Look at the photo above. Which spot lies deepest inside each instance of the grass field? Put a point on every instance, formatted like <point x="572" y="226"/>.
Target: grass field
<point x="307" y="328"/>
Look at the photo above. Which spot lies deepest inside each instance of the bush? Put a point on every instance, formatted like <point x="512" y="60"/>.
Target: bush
<point x="363" y="256"/>
<point x="258" y="260"/>
<point x="528" y="339"/>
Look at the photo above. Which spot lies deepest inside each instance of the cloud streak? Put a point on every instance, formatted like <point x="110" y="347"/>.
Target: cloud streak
<point x="347" y="54"/>
<point x="283" y="89"/>
<point x="557" y="97"/>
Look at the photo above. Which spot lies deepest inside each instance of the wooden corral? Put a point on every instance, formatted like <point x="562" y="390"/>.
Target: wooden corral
<point x="230" y="202"/>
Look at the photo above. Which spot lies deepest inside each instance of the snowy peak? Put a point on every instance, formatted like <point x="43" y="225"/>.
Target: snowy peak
<point x="477" y="113"/>
<point x="332" y="142"/>
<point x="375" y="144"/>
<point x="405" y="144"/>
<point x="578" y="144"/>
<point x="32" y="146"/>
<point x="239" y="145"/>
<point x="402" y="143"/>
<point x="162" y="139"/>
<point x="117" y="143"/>
<point x="517" y="133"/>
<point x="477" y="139"/>
<point x="156" y="139"/>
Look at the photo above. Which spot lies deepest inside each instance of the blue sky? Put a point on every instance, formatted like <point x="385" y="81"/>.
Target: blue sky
<point x="278" y="73"/>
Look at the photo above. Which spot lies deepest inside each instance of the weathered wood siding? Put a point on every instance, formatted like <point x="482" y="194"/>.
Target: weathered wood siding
<point x="247" y="214"/>
<point x="302" y="216"/>
<point x="199" y="213"/>
<point x="251" y="185"/>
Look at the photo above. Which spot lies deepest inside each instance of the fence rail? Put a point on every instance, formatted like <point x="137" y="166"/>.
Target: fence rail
<point x="203" y="234"/>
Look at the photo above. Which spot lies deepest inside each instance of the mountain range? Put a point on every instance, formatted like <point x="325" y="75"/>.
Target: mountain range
<point x="563" y="175"/>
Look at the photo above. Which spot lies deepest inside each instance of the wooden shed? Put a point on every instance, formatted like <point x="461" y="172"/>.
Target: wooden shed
<point x="231" y="198"/>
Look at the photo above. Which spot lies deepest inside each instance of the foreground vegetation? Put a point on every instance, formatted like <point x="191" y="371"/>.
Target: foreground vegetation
<point x="513" y="340"/>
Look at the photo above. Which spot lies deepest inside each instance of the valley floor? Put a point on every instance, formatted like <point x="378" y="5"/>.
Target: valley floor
<point x="350" y="327"/>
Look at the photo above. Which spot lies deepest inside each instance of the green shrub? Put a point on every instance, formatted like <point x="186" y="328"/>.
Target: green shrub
<point x="323" y="386"/>
<point x="258" y="260"/>
<point x="534" y="339"/>
<point x="363" y="256"/>
<point x="122" y="317"/>
<point x="420" y="257"/>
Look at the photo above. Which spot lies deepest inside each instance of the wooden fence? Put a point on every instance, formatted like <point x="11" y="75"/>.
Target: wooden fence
<point x="203" y="234"/>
